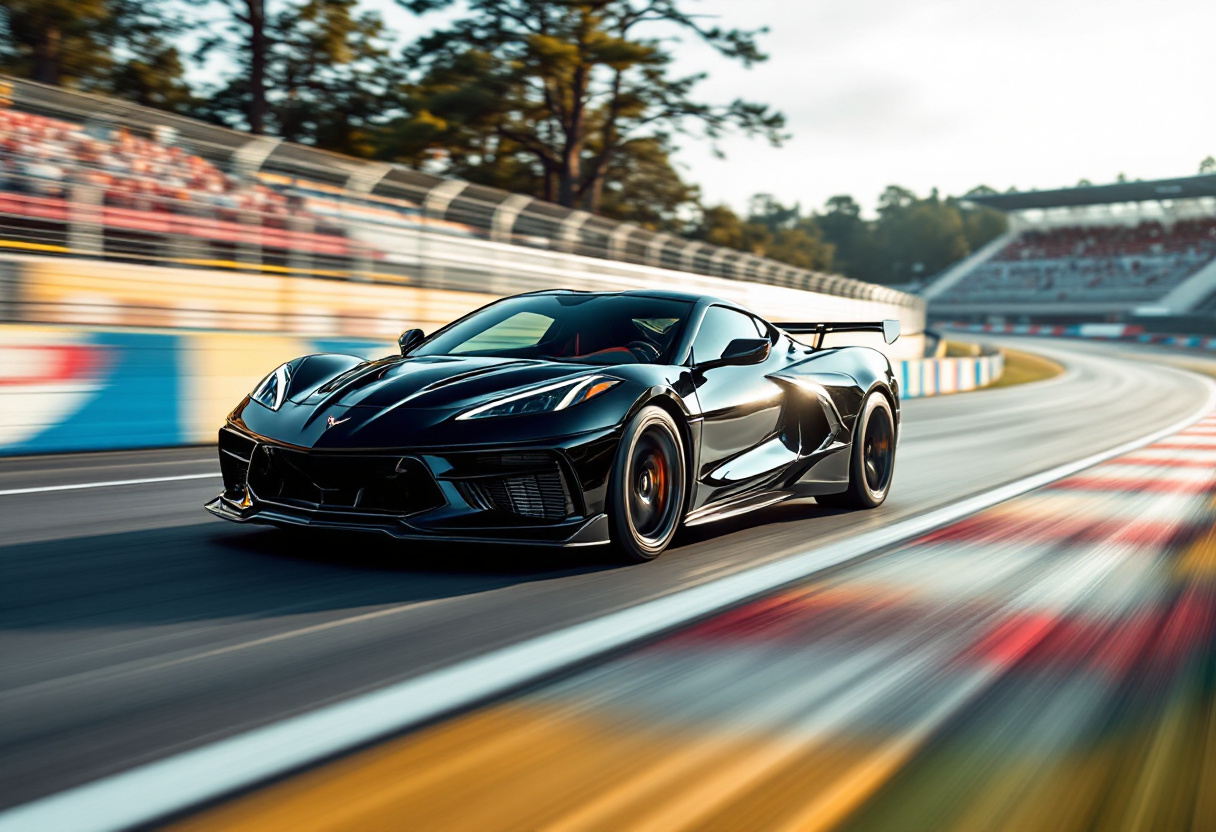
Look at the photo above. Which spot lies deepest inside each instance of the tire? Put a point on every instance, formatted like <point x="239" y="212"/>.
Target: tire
<point x="646" y="492"/>
<point x="871" y="459"/>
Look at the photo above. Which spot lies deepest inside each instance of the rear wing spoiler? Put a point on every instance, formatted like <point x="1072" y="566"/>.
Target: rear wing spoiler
<point x="889" y="329"/>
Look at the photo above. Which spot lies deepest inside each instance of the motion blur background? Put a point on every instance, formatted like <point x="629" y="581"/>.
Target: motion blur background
<point x="192" y="191"/>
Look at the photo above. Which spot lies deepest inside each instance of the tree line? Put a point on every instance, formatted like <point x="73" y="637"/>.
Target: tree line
<point x="911" y="239"/>
<point x="572" y="101"/>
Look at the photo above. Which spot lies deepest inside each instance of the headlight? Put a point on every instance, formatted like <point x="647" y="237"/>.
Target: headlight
<point x="272" y="390"/>
<point x="544" y="399"/>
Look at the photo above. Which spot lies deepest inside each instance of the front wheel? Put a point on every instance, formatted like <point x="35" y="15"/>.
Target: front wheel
<point x="871" y="459"/>
<point x="647" y="487"/>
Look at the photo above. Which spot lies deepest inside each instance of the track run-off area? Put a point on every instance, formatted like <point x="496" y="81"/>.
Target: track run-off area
<point x="1020" y="638"/>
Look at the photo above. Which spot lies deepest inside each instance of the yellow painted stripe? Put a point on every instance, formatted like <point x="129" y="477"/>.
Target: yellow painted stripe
<point x="34" y="246"/>
<point x="233" y="264"/>
<point x="1205" y="805"/>
<point x="1198" y="561"/>
<point x="532" y="767"/>
<point x="510" y="767"/>
<point x="848" y="791"/>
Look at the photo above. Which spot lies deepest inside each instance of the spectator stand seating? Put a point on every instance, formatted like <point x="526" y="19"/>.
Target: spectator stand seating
<point x="1139" y="263"/>
<point x="142" y="191"/>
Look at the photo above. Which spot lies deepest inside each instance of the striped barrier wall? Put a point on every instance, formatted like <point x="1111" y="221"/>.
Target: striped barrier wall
<point x="1103" y="332"/>
<point x="68" y="389"/>
<point x="923" y="377"/>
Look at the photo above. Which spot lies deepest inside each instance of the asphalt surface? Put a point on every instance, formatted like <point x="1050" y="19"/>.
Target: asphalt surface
<point x="133" y="626"/>
<point x="1045" y="663"/>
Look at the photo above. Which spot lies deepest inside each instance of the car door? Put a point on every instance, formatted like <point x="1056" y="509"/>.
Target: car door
<point x="741" y="410"/>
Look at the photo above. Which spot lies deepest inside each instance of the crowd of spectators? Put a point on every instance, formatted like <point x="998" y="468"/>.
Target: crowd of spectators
<point x="1150" y="237"/>
<point x="1139" y="263"/>
<point x="46" y="157"/>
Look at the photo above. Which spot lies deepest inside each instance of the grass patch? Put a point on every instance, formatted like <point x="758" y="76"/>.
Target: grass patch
<point x="1023" y="368"/>
<point x="959" y="349"/>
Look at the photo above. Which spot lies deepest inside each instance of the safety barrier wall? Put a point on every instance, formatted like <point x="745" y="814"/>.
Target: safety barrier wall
<point x="79" y="389"/>
<point x="91" y="293"/>
<point x="941" y="376"/>
<point x="1101" y="332"/>
<point x="65" y="388"/>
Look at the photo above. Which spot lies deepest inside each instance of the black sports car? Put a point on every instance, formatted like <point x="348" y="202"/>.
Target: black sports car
<point x="568" y="419"/>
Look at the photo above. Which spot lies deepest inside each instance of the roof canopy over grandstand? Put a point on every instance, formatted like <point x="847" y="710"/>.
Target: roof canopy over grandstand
<point x="1188" y="187"/>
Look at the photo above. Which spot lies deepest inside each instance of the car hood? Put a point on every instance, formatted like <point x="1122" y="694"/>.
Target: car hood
<point x="398" y="402"/>
<point x="431" y="381"/>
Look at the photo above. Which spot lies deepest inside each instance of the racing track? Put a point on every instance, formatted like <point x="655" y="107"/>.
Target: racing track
<point x="134" y="626"/>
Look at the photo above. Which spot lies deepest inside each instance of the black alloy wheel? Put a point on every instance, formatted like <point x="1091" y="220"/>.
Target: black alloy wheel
<point x="878" y="453"/>
<point x="872" y="457"/>
<point x="646" y="493"/>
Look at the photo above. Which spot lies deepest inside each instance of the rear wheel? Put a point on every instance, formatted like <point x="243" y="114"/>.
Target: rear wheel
<point x="647" y="487"/>
<point x="871" y="459"/>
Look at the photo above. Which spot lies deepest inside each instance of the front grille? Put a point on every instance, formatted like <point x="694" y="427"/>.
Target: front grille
<point x="541" y="494"/>
<point x="514" y="461"/>
<point x="340" y="482"/>
<point x="235" y="453"/>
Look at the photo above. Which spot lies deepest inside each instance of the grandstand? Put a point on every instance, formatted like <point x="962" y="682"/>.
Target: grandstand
<point x="66" y="188"/>
<point x="46" y="156"/>
<point x="1105" y="253"/>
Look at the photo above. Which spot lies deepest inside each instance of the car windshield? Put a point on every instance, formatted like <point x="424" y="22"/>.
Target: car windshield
<point x="590" y="329"/>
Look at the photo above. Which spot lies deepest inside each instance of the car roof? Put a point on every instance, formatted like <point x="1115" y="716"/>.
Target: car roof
<point x="665" y="294"/>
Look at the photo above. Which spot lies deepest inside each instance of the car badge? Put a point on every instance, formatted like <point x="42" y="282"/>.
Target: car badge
<point x="331" y="421"/>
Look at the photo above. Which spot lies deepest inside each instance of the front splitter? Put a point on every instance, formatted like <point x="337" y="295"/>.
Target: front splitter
<point x="591" y="532"/>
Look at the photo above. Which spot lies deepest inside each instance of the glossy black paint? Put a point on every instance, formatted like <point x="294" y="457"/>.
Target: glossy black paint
<point x="772" y="421"/>
<point x="410" y="339"/>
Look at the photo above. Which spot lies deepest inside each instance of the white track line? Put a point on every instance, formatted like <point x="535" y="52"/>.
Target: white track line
<point x="148" y="792"/>
<point x="111" y="484"/>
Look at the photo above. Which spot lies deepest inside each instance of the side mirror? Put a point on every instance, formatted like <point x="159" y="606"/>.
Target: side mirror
<point x="739" y="352"/>
<point x="890" y="330"/>
<point x="410" y="339"/>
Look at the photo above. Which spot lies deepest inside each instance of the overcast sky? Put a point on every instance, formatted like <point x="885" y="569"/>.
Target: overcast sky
<point x="953" y="94"/>
<point x="956" y="93"/>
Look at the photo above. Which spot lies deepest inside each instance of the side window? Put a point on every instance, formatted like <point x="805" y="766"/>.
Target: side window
<point x="719" y="327"/>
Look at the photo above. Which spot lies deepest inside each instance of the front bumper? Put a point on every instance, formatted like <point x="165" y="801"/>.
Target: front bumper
<point x="551" y="496"/>
<point x="592" y="531"/>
